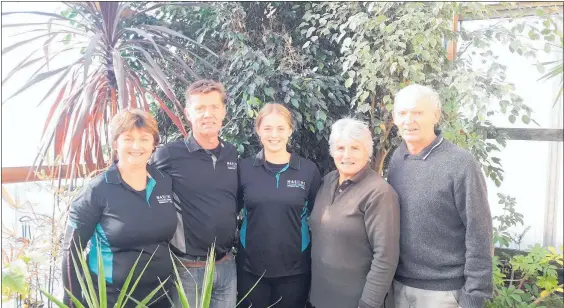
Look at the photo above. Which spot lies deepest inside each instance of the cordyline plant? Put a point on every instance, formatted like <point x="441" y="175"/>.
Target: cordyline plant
<point x="110" y="67"/>
<point x="94" y="296"/>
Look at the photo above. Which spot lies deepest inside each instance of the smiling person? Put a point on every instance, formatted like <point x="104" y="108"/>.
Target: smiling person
<point x="205" y="183"/>
<point x="124" y="213"/>
<point x="446" y="225"/>
<point x="277" y="192"/>
<point x="354" y="226"/>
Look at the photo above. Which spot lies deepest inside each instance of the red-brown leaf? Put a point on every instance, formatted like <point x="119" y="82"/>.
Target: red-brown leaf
<point x="171" y="115"/>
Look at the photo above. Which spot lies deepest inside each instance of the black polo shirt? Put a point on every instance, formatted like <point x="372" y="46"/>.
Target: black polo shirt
<point x="126" y="224"/>
<point x="275" y="237"/>
<point x="205" y="192"/>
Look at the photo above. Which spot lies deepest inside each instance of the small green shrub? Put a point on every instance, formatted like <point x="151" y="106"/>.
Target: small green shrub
<point x="523" y="280"/>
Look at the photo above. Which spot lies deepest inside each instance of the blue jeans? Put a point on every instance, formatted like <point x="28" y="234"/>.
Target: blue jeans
<point x="224" y="290"/>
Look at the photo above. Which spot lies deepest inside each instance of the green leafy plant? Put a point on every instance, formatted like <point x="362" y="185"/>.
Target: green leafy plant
<point x="523" y="280"/>
<point x="14" y="280"/>
<point x="326" y="61"/>
<point x="502" y="223"/>
<point x="26" y="250"/>
<point x="204" y="298"/>
<point x="556" y="70"/>
<point x="550" y="30"/>
<point x="99" y="299"/>
<point x="537" y="283"/>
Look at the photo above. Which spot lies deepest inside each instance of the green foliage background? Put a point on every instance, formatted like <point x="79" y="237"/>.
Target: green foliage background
<point x="326" y="61"/>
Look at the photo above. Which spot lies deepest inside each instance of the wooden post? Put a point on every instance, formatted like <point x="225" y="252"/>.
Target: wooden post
<point x="451" y="45"/>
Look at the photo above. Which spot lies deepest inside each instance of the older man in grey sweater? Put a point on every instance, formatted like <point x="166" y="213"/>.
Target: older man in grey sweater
<point x="446" y="227"/>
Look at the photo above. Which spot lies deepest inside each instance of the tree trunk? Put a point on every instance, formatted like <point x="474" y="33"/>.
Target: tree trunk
<point x="378" y="160"/>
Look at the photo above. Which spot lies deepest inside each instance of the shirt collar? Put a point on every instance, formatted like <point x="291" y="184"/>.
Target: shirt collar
<point x="113" y="176"/>
<point x="358" y="176"/>
<point x="193" y="145"/>
<point x="426" y="151"/>
<point x="294" y="163"/>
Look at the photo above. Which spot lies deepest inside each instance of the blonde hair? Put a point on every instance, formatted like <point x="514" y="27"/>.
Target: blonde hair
<point x="129" y="119"/>
<point x="271" y="108"/>
<point x="204" y="86"/>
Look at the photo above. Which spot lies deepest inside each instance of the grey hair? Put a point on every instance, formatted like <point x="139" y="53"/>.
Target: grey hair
<point x="417" y="92"/>
<point x="351" y="129"/>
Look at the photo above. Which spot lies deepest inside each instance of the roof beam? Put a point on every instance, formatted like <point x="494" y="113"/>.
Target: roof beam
<point x="531" y="134"/>
<point x="45" y="173"/>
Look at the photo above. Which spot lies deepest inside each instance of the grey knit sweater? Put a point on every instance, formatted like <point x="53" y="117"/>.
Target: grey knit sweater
<point x="446" y="225"/>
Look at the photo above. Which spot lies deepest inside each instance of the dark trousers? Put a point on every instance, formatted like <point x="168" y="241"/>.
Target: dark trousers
<point x="283" y="292"/>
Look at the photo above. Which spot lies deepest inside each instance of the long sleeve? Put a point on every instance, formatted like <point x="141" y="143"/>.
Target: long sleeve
<point x="382" y="223"/>
<point x="240" y="196"/>
<point x="85" y="213"/>
<point x="315" y="183"/>
<point x="472" y="203"/>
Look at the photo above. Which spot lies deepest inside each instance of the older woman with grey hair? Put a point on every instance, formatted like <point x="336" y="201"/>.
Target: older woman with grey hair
<point x="354" y="225"/>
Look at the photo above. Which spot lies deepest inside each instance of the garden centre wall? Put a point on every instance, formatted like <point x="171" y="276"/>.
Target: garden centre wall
<point x="533" y="169"/>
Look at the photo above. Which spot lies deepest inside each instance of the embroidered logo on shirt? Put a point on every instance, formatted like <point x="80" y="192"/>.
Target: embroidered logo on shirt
<point x="164" y="199"/>
<point x="231" y="165"/>
<point x="296" y="184"/>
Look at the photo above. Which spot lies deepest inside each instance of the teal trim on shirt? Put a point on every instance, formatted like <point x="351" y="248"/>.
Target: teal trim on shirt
<point x="99" y="245"/>
<point x="149" y="189"/>
<point x="280" y="172"/>
<point x="305" y="229"/>
<point x="243" y="232"/>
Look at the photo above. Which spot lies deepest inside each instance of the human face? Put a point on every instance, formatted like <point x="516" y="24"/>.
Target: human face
<point x="274" y="132"/>
<point x="134" y="147"/>
<point x="416" y="120"/>
<point x="350" y="157"/>
<point x="206" y="112"/>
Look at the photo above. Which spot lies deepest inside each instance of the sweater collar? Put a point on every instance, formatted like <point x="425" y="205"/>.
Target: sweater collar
<point x="426" y="151"/>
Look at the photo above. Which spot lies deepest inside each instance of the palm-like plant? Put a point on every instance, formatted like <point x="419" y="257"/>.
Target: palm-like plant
<point x="557" y="70"/>
<point x="100" y="300"/>
<point x="118" y="67"/>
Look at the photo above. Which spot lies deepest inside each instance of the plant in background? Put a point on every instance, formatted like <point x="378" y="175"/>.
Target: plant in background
<point x="27" y="251"/>
<point x="98" y="299"/>
<point x="203" y="300"/>
<point x="549" y="30"/>
<point x="323" y="60"/>
<point x="537" y="282"/>
<point x="508" y="219"/>
<point x="111" y="66"/>
<point x="556" y="70"/>
<point x="326" y="61"/>
<point x="523" y="279"/>
<point x="386" y="46"/>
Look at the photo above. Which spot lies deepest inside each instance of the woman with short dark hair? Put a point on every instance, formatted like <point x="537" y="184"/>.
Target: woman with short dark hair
<point x="124" y="213"/>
